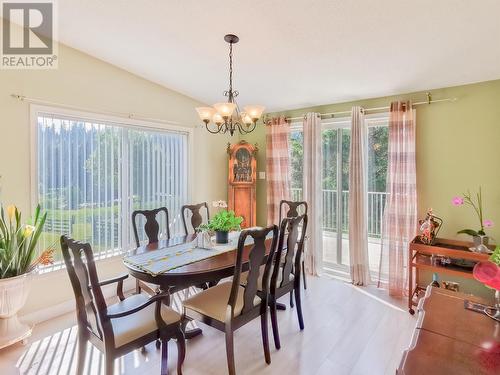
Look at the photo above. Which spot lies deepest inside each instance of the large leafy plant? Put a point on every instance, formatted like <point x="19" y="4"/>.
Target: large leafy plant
<point x="18" y="243"/>
<point x="223" y="221"/>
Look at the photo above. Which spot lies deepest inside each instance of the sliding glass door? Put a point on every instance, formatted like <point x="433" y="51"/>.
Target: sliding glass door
<point x="336" y="142"/>
<point x="336" y="139"/>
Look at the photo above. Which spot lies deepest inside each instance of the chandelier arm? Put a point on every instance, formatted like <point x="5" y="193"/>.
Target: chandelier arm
<point x="213" y="131"/>
<point x="249" y="130"/>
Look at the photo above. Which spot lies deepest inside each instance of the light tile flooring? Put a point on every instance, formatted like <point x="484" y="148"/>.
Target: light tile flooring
<point x="348" y="330"/>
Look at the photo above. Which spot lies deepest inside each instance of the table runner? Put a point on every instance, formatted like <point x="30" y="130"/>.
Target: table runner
<point x="169" y="258"/>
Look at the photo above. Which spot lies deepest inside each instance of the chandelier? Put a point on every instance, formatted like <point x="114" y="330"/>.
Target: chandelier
<point x="227" y="116"/>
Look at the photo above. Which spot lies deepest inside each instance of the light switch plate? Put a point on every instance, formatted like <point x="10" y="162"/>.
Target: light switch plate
<point x="262" y="175"/>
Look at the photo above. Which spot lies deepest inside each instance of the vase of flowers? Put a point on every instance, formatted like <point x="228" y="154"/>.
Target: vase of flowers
<point x="479" y="237"/>
<point x="222" y="223"/>
<point x="19" y="259"/>
<point x="489" y="274"/>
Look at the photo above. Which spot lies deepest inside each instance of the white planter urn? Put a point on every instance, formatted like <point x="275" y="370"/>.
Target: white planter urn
<point x="13" y="294"/>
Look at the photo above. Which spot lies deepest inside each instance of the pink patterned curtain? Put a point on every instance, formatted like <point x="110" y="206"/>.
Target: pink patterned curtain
<point x="277" y="166"/>
<point x="400" y="216"/>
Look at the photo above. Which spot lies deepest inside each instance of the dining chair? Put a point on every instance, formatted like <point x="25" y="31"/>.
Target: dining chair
<point x="152" y="231"/>
<point x="196" y="218"/>
<point x="229" y="305"/>
<point x="293" y="208"/>
<point x="120" y="328"/>
<point x="285" y="276"/>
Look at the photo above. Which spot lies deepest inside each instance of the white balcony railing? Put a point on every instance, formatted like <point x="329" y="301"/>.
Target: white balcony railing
<point x="376" y="205"/>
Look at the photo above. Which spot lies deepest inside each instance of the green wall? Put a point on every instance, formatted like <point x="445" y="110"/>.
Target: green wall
<point x="458" y="148"/>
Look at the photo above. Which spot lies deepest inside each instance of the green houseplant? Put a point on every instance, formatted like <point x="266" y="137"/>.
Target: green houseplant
<point x="19" y="258"/>
<point x="222" y="223"/>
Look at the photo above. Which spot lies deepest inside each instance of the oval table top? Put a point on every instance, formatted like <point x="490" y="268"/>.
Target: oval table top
<point x="206" y="270"/>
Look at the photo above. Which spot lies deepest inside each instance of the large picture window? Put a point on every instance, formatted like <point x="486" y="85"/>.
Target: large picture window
<point x="92" y="174"/>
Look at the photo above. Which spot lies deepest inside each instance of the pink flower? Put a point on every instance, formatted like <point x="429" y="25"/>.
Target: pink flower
<point x="488" y="223"/>
<point x="457" y="201"/>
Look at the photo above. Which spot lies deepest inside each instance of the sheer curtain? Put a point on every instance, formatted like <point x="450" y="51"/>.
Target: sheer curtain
<point x="358" y="232"/>
<point x="277" y="166"/>
<point x="312" y="186"/>
<point x="400" y="215"/>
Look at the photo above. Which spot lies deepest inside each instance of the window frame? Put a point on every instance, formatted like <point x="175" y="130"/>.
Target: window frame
<point x="116" y="121"/>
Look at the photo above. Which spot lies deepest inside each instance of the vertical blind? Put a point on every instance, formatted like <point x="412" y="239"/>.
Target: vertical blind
<point x="91" y="176"/>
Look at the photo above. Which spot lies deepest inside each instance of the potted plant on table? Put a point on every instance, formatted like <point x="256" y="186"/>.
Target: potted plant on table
<point x="19" y="259"/>
<point x="222" y="223"/>
<point x="478" y="237"/>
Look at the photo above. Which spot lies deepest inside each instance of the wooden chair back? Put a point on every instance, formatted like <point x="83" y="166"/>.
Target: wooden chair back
<point x="196" y="218"/>
<point x="90" y="303"/>
<point x="293" y="209"/>
<point x="291" y="241"/>
<point x="256" y="257"/>
<point x="151" y="226"/>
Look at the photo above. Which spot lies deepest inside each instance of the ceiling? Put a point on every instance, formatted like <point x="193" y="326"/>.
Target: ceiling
<point x="291" y="53"/>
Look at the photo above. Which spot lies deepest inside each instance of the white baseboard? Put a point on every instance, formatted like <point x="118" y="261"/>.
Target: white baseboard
<point x="52" y="312"/>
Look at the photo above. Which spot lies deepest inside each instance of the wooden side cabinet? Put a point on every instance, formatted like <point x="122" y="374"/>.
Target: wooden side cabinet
<point x="242" y="180"/>
<point x="420" y="258"/>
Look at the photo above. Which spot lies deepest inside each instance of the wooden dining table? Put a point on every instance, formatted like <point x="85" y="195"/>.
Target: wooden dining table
<point x="206" y="271"/>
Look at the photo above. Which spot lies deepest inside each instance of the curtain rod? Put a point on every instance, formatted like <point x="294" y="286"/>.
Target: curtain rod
<point x="131" y="116"/>
<point x="376" y="109"/>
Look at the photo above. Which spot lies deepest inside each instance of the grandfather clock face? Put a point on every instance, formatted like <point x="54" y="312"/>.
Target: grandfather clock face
<point x="242" y="181"/>
<point x="242" y="168"/>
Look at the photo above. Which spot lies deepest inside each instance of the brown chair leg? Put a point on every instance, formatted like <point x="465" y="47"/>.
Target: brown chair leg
<point x="181" y="350"/>
<point x="299" y="306"/>
<point x="274" y="324"/>
<point x="164" y="357"/>
<point x="109" y="365"/>
<point x="137" y="287"/>
<point x="265" y="336"/>
<point x="230" y="350"/>
<point x="304" y="275"/>
<point x="291" y="298"/>
<point x="82" y="351"/>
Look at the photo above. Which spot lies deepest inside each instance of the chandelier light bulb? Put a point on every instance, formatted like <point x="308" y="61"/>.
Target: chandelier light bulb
<point x="217" y="119"/>
<point x="254" y="111"/>
<point x="205" y="113"/>
<point x="225" y="109"/>
<point x="246" y="119"/>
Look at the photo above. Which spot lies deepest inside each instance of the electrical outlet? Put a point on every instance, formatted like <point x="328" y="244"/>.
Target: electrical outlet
<point x="262" y="175"/>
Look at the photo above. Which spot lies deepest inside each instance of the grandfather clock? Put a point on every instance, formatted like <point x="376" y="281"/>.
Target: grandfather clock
<point x="242" y="181"/>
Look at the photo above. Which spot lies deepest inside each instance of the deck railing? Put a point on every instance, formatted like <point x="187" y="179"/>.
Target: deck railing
<point x="376" y="205"/>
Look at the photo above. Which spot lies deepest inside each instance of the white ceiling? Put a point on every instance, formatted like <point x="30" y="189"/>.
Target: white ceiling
<point x="291" y="53"/>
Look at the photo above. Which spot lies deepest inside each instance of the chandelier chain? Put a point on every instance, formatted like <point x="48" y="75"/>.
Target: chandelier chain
<point x="230" y="71"/>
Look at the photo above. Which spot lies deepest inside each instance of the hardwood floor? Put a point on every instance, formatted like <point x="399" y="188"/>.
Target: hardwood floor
<point x="348" y="330"/>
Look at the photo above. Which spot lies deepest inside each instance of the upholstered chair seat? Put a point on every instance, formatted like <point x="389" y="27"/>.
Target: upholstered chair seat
<point x="143" y="322"/>
<point x="213" y="301"/>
